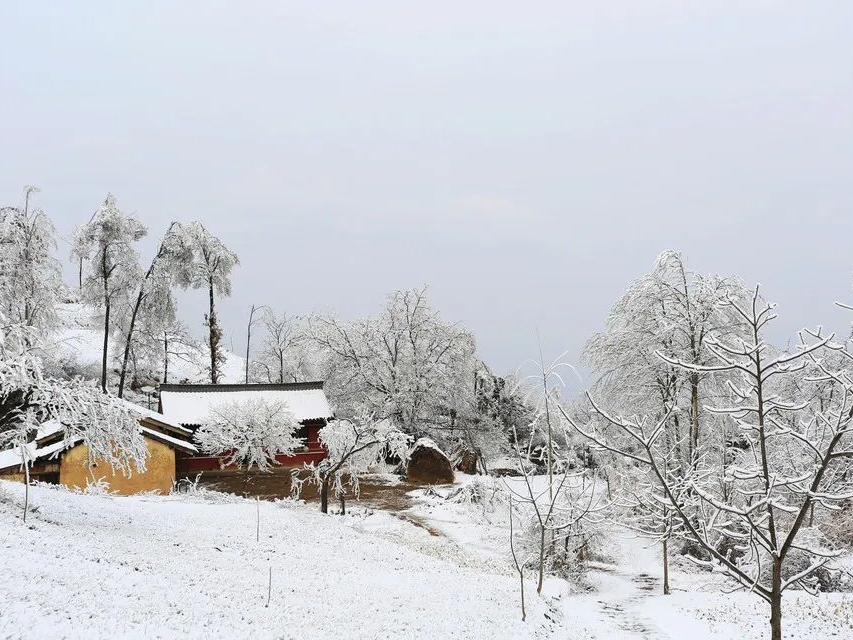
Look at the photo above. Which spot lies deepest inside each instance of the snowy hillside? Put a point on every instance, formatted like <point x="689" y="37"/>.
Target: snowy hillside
<point x="80" y="340"/>
<point x="146" y="567"/>
<point x="191" y="566"/>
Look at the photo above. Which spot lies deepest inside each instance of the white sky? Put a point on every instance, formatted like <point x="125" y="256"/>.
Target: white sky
<point x="526" y="160"/>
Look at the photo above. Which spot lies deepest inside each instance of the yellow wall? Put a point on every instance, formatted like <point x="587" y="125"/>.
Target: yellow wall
<point x="158" y="476"/>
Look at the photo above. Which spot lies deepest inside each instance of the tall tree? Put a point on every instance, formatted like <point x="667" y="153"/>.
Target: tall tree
<point x="285" y="353"/>
<point x="677" y="311"/>
<point x="407" y="364"/>
<point x="30" y="275"/>
<point x="211" y="269"/>
<point x="154" y="294"/>
<point x="250" y="325"/>
<point x="795" y="455"/>
<point x="107" y="242"/>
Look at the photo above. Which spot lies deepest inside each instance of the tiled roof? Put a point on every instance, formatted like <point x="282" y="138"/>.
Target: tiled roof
<point x="190" y="404"/>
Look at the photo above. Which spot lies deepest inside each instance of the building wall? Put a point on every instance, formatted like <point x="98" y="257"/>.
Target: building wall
<point x="159" y="471"/>
<point x="313" y="452"/>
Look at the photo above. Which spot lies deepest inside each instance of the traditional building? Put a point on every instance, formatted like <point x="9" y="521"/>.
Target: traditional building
<point x="58" y="461"/>
<point x="189" y="405"/>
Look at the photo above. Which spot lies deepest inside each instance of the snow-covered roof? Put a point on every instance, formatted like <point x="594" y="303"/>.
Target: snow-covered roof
<point x="177" y="443"/>
<point x="12" y="457"/>
<point x="191" y="403"/>
<point x="159" y="417"/>
<point x="49" y="436"/>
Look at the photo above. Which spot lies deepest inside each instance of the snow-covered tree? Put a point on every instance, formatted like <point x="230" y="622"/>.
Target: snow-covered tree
<point x="174" y="343"/>
<point x="286" y="353"/>
<point x="675" y="310"/>
<point x="793" y="456"/>
<point x="210" y="269"/>
<point x="407" y="364"/>
<point x="30" y="275"/>
<point x="153" y="297"/>
<point x="107" y="242"/>
<point x="28" y="398"/>
<point x="353" y="447"/>
<point x="250" y="434"/>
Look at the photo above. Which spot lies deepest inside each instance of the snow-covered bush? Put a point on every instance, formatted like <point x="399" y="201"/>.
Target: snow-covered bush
<point x="97" y="487"/>
<point x="482" y="492"/>
<point x="573" y="535"/>
<point x="194" y="491"/>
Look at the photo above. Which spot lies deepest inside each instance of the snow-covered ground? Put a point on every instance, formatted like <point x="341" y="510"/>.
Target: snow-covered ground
<point x="624" y="599"/>
<point x="188" y="566"/>
<point x="155" y="567"/>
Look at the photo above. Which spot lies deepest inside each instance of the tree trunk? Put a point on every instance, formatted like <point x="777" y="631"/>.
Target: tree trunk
<point x="246" y="484"/>
<point x="106" y="346"/>
<point x="165" y="357"/>
<point x="213" y="342"/>
<point x="776" y="602"/>
<point x="324" y="496"/>
<point x="249" y="339"/>
<point x="127" y="344"/>
<point x="665" y="569"/>
<point x="26" y="481"/>
<point x="343" y="505"/>
<point x="694" y="418"/>
<point x="541" y="559"/>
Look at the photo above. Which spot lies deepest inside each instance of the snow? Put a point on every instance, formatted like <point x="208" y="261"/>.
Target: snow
<point x="175" y="442"/>
<point x="190" y="566"/>
<point x="81" y="339"/>
<point x="159" y="417"/>
<point x="12" y="457"/>
<point x="145" y="567"/>
<point x="193" y="407"/>
<point x="428" y="443"/>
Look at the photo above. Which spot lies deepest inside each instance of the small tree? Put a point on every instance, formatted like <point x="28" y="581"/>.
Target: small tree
<point x="353" y="447"/>
<point x="250" y="434"/>
<point x="210" y="269"/>
<point x="107" y="243"/>
<point x="30" y="275"/>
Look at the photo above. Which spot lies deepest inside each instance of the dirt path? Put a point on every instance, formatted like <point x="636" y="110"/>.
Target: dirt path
<point x="622" y="594"/>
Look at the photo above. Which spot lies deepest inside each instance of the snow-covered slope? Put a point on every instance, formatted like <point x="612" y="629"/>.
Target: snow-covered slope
<point x="174" y="567"/>
<point x="182" y="566"/>
<point x="80" y="339"/>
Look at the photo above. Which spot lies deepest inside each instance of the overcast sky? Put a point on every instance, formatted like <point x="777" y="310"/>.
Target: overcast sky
<point x="525" y="160"/>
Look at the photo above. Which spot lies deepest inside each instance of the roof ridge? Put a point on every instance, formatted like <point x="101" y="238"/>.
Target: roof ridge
<point x="261" y="386"/>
